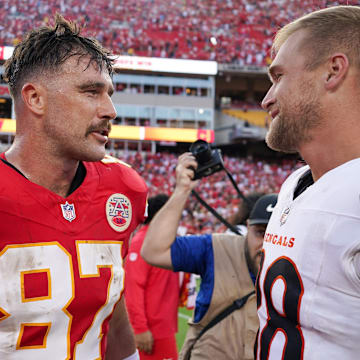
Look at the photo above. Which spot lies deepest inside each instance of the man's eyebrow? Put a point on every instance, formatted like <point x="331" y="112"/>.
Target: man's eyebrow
<point x="95" y="85"/>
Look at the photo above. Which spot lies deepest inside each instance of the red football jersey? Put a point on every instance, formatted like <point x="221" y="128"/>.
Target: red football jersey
<point x="61" y="268"/>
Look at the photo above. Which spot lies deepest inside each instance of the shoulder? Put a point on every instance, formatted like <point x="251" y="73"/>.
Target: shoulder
<point x="228" y="246"/>
<point x="294" y="178"/>
<point x="228" y="237"/>
<point x="111" y="168"/>
<point x="287" y="190"/>
<point x="195" y="240"/>
<point x="338" y="190"/>
<point x="108" y="159"/>
<point x="192" y="245"/>
<point x="192" y="253"/>
<point x="12" y="181"/>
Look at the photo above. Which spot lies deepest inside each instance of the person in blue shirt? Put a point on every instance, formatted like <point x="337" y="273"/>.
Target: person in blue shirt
<point x="228" y="265"/>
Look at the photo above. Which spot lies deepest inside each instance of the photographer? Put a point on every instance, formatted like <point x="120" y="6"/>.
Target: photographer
<point x="227" y="264"/>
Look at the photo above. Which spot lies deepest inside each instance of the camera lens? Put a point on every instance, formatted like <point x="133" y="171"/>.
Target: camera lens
<point x="201" y="150"/>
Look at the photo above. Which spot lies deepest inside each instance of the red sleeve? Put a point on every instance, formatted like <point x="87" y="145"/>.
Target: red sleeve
<point x="136" y="274"/>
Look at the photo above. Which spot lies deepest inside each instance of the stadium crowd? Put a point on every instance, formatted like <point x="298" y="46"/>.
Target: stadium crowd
<point x="250" y="175"/>
<point x="228" y="31"/>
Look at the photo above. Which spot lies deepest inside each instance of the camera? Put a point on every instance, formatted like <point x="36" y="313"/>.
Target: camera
<point x="209" y="160"/>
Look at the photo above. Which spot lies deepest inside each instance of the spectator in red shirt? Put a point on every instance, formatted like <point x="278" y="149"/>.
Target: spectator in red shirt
<point x="152" y="297"/>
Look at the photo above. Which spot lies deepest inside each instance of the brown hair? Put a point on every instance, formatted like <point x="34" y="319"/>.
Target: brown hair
<point x="47" y="48"/>
<point x="335" y="29"/>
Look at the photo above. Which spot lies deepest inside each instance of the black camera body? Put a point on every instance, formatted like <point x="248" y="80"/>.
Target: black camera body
<point x="209" y="160"/>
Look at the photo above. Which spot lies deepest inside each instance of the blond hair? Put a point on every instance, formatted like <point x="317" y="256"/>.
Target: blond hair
<point x="335" y="29"/>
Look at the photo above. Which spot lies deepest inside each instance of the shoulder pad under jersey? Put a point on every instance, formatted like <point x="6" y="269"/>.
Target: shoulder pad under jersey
<point x="111" y="160"/>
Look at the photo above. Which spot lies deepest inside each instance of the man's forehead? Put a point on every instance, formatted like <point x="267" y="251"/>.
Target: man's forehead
<point x="82" y="63"/>
<point x="293" y="44"/>
<point x="290" y="52"/>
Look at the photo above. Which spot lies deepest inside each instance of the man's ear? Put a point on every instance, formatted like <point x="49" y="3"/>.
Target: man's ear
<point x="33" y="96"/>
<point x="337" y="68"/>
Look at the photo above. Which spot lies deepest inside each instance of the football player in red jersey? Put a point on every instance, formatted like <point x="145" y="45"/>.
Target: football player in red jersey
<point x="67" y="210"/>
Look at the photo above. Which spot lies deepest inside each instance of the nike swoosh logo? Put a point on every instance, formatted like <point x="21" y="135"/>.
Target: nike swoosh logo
<point x="270" y="208"/>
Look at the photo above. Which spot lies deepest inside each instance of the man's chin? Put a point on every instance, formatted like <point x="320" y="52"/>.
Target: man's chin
<point x="95" y="155"/>
<point x="278" y="143"/>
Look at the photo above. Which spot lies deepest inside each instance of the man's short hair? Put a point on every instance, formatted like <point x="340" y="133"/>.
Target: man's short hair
<point x="47" y="48"/>
<point x="334" y="29"/>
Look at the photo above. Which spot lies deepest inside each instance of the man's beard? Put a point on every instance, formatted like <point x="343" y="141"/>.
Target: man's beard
<point x="292" y="128"/>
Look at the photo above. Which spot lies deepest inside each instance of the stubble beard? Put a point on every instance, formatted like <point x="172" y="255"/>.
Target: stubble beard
<point x="292" y="128"/>
<point x="76" y="148"/>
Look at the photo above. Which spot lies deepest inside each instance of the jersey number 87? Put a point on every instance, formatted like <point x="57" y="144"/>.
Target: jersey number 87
<point x="22" y="314"/>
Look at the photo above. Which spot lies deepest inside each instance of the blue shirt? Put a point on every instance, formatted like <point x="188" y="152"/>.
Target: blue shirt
<point x="194" y="254"/>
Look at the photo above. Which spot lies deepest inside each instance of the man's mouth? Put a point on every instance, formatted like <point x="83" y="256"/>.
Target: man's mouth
<point x="101" y="134"/>
<point x="104" y="132"/>
<point x="274" y="113"/>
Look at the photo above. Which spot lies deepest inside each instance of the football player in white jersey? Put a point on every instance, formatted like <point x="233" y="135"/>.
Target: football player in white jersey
<point x="308" y="288"/>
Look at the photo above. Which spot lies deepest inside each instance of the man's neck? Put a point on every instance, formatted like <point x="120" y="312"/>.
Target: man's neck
<point x="326" y="151"/>
<point x="52" y="173"/>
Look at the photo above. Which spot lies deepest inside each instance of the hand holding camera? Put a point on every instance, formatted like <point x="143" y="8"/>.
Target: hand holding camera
<point x="204" y="161"/>
<point x="209" y="160"/>
<point x="185" y="170"/>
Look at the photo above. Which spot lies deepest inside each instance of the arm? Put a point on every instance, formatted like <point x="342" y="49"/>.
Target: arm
<point x="137" y="273"/>
<point x="120" y="340"/>
<point x="162" y="230"/>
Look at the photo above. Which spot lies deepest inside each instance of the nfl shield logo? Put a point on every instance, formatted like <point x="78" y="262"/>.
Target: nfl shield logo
<point x="68" y="211"/>
<point x="284" y="216"/>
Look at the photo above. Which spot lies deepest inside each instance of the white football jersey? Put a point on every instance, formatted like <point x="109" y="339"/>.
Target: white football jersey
<point x="308" y="290"/>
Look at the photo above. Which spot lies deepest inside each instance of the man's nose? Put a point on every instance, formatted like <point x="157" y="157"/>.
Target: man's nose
<point x="268" y="99"/>
<point x="107" y="109"/>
